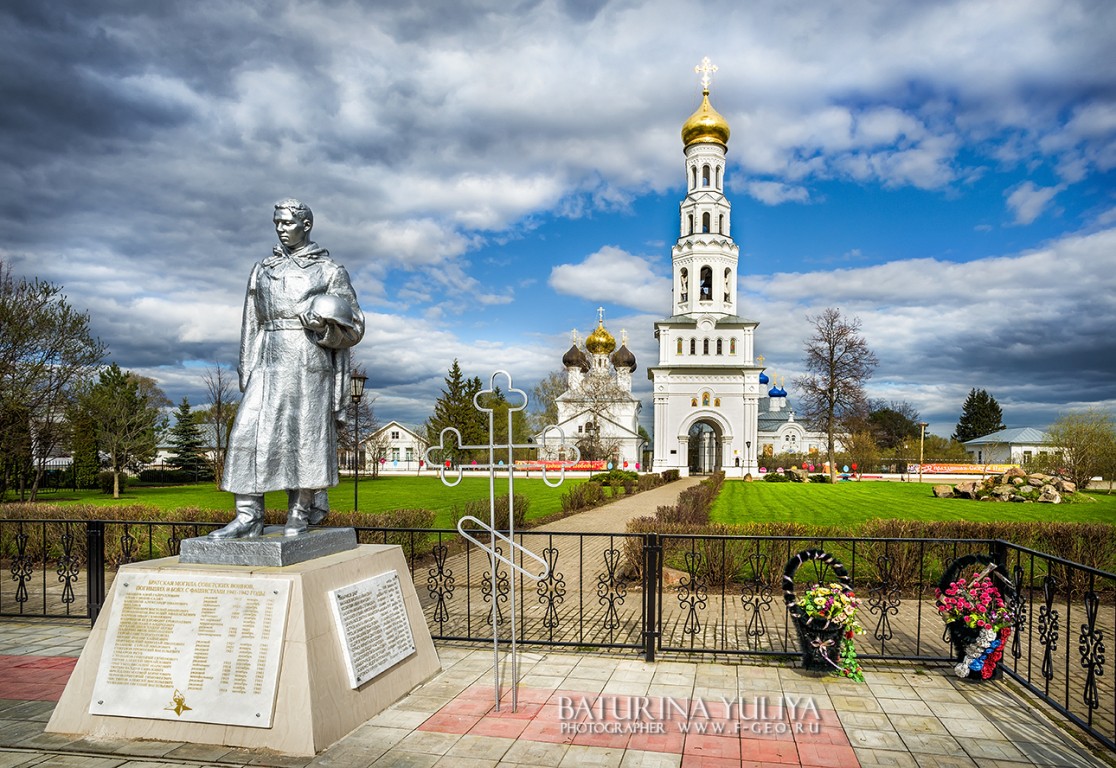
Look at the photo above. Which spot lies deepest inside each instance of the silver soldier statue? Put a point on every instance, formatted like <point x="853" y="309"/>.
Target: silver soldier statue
<point x="300" y="318"/>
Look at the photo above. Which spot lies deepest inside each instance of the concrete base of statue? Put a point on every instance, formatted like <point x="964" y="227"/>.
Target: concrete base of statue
<point x="285" y="659"/>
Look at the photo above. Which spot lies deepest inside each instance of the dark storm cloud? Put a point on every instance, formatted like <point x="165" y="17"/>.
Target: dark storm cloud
<point x="144" y="143"/>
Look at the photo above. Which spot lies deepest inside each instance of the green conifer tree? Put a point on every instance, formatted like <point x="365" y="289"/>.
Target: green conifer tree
<point x="980" y="416"/>
<point x="188" y="444"/>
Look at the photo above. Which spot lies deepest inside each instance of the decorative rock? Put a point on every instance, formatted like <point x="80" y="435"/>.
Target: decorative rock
<point x="1049" y="495"/>
<point x="1065" y="486"/>
<point x="1014" y="472"/>
<point x="1017" y="481"/>
<point x="966" y="490"/>
<point x="943" y="491"/>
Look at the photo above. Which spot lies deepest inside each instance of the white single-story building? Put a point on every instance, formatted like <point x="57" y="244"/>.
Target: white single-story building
<point x="1009" y="446"/>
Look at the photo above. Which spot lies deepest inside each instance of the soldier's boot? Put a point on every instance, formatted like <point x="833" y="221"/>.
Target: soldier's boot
<point x="248" y="522"/>
<point x="320" y="507"/>
<point x="300" y="507"/>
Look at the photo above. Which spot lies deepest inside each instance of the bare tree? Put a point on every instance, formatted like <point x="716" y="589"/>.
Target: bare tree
<point x="356" y="430"/>
<point x="544" y="400"/>
<point x="224" y="400"/>
<point x="599" y="397"/>
<point x="45" y="351"/>
<point x="838" y="362"/>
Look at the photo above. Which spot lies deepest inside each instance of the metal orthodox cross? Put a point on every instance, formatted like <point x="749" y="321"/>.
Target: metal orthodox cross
<point x="491" y="537"/>
<point x="600" y="314"/>
<point x="706" y="68"/>
<point x="759" y="359"/>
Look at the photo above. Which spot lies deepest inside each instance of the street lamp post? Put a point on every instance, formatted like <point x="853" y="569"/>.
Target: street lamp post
<point x="922" y="425"/>
<point x="747" y="457"/>
<point x="356" y="391"/>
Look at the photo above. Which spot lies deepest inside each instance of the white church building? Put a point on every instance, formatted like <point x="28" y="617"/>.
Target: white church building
<point x="597" y="411"/>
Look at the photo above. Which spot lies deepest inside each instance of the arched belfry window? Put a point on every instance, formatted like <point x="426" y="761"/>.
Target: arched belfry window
<point x="706" y="284"/>
<point x="705" y="222"/>
<point x="728" y="285"/>
<point x="691" y="217"/>
<point x="718" y="177"/>
<point x="705" y="175"/>
<point x="721" y="224"/>
<point x="683" y="286"/>
<point x="693" y="177"/>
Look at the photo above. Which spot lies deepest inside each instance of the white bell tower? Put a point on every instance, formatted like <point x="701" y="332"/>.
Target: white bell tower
<point x="706" y="385"/>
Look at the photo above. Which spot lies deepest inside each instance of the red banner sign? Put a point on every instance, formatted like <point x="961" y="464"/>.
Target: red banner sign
<point x="569" y="466"/>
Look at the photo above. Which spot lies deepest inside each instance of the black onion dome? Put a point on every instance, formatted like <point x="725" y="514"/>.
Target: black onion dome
<point x="575" y="358"/>
<point x="623" y="358"/>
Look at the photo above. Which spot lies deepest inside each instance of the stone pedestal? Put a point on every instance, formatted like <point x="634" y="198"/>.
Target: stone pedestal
<point x="314" y="703"/>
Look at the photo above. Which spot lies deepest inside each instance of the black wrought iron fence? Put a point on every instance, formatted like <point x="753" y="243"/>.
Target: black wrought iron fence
<point x="653" y="594"/>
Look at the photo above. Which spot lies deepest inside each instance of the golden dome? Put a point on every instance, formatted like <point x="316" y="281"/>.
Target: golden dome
<point x="706" y="125"/>
<point x="600" y="341"/>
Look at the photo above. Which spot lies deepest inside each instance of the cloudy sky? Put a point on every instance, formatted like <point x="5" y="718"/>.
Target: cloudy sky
<point x="491" y="171"/>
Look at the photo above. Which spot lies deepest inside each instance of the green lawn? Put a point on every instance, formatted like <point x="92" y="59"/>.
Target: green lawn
<point x="380" y="495"/>
<point x="849" y="504"/>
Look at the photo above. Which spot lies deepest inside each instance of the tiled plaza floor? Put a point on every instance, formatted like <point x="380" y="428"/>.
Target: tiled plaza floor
<point x="588" y="710"/>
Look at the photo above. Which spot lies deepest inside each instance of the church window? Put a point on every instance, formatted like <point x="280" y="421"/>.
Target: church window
<point x="684" y="286"/>
<point x="718" y="177"/>
<point x="719" y="352"/>
<point x="691" y="217"/>
<point x="693" y="402"/>
<point x="693" y="346"/>
<point x="705" y="399"/>
<point x="705" y="346"/>
<point x="721" y="224"/>
<point x="728" y="285"/>
<point x="732" y="346"/>
<point x="705" y="222"/>
<point x="705" y="175"/>
<point x="693" y="177"/>
<point x="716" y="402"/>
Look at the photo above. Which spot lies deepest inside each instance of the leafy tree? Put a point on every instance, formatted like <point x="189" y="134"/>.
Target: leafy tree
<point x="980" y="416"/>
<point x="126" y="412"/>
<point x="1087" y="443"/>
<point x="219" y="416"/>
<point x="893" y="425"/>
<point x="187" y="443"/>
<point x="943" y="449"/>
<point x="838" y="362"/>
<point x="46" y="349"/>
<point x="83" y="447"/>
<point x="455" y="408"/>
<point x="861" y="450"/>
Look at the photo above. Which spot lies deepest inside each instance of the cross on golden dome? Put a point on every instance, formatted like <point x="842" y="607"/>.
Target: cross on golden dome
<point x="705" y="69"/>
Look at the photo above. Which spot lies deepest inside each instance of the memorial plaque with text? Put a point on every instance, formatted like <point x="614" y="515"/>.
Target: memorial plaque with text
<point x="372" y="625"/>
<point x="202" y="648"/>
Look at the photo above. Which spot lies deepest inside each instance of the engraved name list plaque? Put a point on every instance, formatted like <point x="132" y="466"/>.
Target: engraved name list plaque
<point x="372" y="626"/>
<point x="203" y="648"/>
